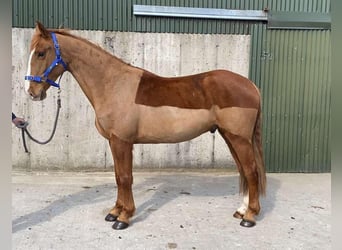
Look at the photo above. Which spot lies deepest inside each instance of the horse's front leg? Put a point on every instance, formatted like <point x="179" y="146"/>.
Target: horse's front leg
<point x="124" y="207"/>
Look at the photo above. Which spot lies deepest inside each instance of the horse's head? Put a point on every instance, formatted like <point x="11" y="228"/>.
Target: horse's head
<point x="45" y="63"/>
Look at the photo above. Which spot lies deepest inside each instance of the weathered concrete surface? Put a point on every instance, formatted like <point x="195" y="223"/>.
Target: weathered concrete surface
<point x="77" y="144"/>
<point x="175" y="210"/>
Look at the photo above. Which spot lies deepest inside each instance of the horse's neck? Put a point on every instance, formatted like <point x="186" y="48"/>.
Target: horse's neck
<point x="92" y="67"/>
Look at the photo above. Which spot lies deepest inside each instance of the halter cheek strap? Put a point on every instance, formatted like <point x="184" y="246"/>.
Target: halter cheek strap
<point x="58" y="60"/>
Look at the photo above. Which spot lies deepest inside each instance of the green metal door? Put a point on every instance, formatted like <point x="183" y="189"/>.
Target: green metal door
<point x="292" y="68"/>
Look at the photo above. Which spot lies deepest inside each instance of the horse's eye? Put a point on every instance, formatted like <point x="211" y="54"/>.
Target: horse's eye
<point x="41" y="54"/>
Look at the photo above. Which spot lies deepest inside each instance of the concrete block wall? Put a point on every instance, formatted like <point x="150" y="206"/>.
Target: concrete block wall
<point x="77" y="144"/>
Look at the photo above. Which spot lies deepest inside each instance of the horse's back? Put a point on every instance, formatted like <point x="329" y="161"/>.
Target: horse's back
<point x="222" y="88"/>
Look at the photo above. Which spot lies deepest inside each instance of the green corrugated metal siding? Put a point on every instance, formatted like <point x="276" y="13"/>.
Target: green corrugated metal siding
<point x="74" y="14"/>
<point x="116" y="15"/>
<point x="292" y="67"/>
<point x="294" y="75"/>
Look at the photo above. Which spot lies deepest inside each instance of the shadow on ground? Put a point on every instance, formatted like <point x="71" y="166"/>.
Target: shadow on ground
<point x="156" y="191"/>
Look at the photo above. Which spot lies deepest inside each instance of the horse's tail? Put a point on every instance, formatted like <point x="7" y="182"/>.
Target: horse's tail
<point x="258" y="152"/>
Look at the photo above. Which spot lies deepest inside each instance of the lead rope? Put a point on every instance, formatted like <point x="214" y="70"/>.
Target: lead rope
<point x="24" y="126"/>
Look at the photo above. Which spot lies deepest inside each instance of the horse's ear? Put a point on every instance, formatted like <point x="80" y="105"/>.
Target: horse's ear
<point x="40" y="29"/>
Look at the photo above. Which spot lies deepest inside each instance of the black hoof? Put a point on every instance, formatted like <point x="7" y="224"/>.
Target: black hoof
<point x="247" y="223"/>
<point x="111" y="217"/>
<point x="119" y="225"/>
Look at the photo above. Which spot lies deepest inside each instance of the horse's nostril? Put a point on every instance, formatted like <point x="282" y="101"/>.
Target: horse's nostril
<point x="31" y="94"/>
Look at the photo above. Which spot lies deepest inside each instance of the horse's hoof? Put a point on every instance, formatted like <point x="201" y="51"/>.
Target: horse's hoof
<point x="247" y="223"/>
<point x="119" y="225"/>
<point x="238" y="215"/>
<point x="111" y="217"/>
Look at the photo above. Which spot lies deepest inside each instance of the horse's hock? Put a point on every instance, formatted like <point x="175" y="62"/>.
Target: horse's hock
<point x="77" y="141"/>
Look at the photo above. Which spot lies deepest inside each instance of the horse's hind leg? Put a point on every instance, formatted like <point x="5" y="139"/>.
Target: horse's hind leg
<point x="242" y="151"/>
<point x="124" y="207"/>
<point x="240" y="212"/>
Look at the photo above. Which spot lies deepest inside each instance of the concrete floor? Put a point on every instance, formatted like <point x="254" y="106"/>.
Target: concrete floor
<point x="175" y="210"/>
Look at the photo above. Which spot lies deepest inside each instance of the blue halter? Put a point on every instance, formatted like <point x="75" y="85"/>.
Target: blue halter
<point x="58" y="60"/>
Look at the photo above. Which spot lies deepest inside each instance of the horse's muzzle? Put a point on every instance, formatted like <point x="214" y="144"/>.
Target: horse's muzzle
<point x="37" y="97"/>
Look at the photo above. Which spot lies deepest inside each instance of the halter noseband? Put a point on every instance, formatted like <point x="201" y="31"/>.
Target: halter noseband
<point x="58" y="60"/>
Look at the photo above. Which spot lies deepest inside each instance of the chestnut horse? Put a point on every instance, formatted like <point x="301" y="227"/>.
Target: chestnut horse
<point x="133" y="105"/>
